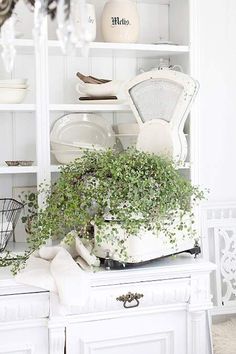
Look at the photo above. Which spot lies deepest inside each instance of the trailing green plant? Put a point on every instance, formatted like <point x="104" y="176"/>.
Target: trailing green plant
<point x="138" y="190"/>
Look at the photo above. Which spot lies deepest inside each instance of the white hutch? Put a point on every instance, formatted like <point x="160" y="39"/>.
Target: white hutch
<point x="172" y="314"/>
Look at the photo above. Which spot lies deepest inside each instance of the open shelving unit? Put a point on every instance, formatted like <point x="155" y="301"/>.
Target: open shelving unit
<point x="25" y="128"/>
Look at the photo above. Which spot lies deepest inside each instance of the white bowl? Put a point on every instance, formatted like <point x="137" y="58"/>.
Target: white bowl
<point x="12" y="82"/>
<point x="13" y="86"/>
<point x="111" y="88"/>
<point x="12" y="95"/>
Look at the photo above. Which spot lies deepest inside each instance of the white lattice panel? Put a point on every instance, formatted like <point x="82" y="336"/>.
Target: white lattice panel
<point x="219" y="246"/>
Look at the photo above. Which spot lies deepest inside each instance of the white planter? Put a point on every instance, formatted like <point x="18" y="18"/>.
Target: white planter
<point x="145" y="246"/>
<point x="120" y="21"/>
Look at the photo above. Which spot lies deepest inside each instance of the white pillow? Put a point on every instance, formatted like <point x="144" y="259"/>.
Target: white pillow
<point x="224" y="337"/>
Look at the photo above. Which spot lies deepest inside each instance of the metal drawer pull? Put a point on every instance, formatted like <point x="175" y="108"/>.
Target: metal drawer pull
<point x="128" y="298"/>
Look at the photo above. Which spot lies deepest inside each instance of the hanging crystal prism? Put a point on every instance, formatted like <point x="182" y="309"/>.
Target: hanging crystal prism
<point x="67" y="11"/>
<point x="40" y="11"/>
<point x="82" y="37"/>
<point x="8" y="37"/>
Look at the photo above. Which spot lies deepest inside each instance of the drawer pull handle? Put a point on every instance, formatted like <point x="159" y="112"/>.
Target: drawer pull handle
<point x="128" y="298"/>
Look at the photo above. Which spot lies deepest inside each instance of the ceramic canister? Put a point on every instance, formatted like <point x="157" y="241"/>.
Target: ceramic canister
<point x="90" y="22"/>
<point x="120" y="21"/>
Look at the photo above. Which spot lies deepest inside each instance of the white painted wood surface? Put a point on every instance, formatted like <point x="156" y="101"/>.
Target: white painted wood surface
<point x="170" y="319"/>
<point x="219" y="246"/>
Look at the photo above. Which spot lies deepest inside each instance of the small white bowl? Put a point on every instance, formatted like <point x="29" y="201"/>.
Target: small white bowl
<point x="12" y="82"/>
<point x="12" y="95"/>
<point x="13" y="86"/>
<point x="111" y="88"/>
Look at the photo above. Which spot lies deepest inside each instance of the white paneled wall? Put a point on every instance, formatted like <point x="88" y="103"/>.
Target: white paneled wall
<point x="217" y="133"/>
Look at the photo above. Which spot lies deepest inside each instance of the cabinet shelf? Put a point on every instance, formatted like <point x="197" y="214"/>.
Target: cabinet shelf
<point x="91" y="107"/>
<point x="125" y="49"/>
<point x="4" y="170"/>
<point x="23" y="46"/>
<point x="17" y="107"/>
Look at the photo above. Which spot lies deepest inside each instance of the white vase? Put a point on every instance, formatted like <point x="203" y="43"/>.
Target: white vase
<point x="90" y="23"/>
<point x="120" y="21"/>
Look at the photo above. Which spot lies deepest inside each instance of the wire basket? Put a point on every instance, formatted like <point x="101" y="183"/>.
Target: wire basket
<point x="10" y="210"/>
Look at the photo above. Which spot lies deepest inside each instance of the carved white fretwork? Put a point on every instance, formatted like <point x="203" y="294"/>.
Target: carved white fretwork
<point x="219" y="246"/>
<point x="228" y="262"/>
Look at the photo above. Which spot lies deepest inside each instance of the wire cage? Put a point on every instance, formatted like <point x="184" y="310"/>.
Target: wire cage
<point x="10" y="210"/>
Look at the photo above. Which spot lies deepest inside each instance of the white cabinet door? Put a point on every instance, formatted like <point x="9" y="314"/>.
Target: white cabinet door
<point x="163" y="333"/>
<point x="28" y="340"/>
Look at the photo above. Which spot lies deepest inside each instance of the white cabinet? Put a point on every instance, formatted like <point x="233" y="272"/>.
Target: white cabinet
<point x="151" y="333"/>
<point x="170" y="317"/>
<point x="24" y="338"/>
<point x="24" y="311"/>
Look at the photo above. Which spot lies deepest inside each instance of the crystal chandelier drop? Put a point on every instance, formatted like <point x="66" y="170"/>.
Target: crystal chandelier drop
<point x="63" y="11"/>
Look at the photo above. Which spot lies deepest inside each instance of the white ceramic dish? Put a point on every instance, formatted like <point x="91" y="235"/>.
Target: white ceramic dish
<point x="12" y="95"/>
<point x="111" y="88"/>
<point x="155" y="136"/>
<point x="85" y="128"/>
<point x="13" y="86"/>
<point x="65" y="157"/>
<point x="71" y="146"/>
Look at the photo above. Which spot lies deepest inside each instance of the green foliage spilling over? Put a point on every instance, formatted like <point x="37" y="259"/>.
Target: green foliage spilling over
<point x="140" y="191"/>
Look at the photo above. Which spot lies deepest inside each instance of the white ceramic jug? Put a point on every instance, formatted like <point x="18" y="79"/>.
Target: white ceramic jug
<point x="90" y="22"/>
<point x="120" y="21"/>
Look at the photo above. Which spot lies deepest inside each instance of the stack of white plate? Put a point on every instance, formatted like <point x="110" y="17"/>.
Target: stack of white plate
<point x="75" y="133"/>
<point x="13" y="91"/>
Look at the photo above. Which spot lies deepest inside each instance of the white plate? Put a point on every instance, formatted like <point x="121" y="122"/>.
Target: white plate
<point x="77" y="128"/>
<point x="67" y="156"/>
<point x="155" y="137"/>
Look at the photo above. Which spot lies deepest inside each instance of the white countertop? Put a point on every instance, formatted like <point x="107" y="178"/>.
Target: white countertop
<point x="180" y="266"/>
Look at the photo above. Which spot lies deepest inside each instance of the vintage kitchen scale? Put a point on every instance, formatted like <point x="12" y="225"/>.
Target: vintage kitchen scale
<point x="161" y="101"/>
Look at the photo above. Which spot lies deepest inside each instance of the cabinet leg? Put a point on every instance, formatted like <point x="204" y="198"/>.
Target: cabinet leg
<point x="57" y="340"/>
<point x="197" y="333"/>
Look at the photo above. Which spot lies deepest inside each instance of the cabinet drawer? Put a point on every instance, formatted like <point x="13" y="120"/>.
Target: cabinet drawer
<point x="24" y="306"/>
<point x="143" y="294"/>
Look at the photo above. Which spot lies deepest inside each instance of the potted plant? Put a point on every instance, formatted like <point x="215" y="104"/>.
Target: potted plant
<point x="116" y="200"/>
